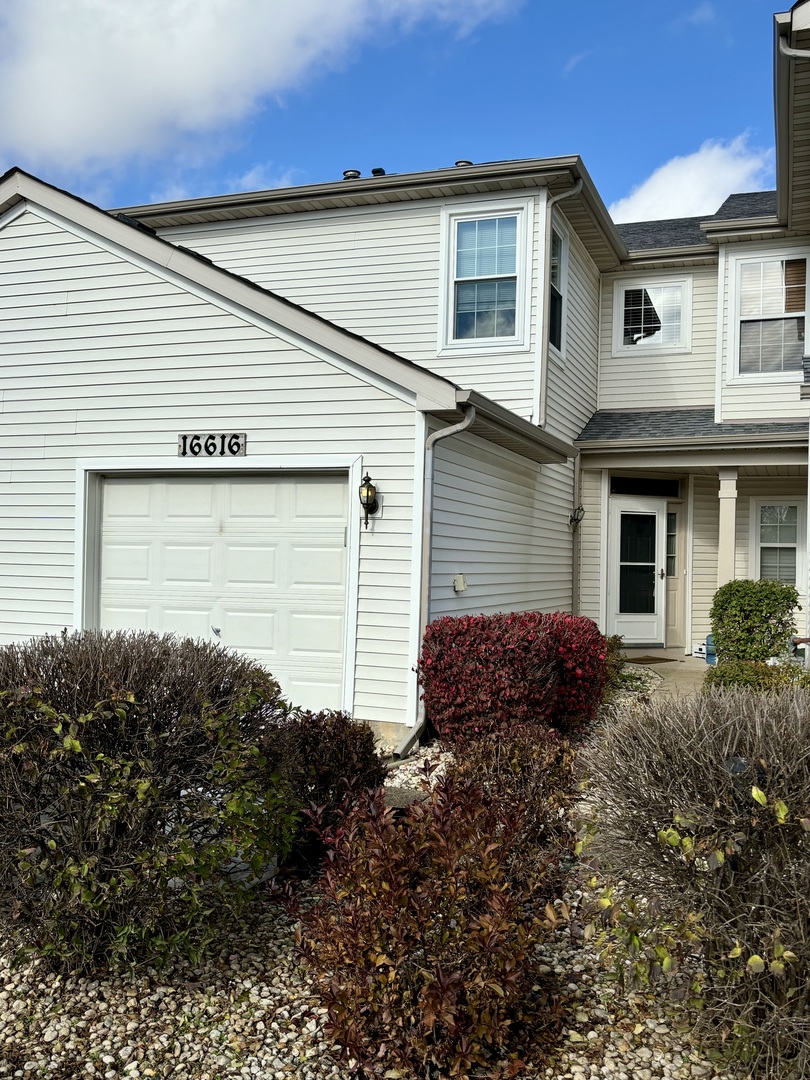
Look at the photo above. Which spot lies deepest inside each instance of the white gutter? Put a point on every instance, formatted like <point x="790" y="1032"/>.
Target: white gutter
<point x="427" y="549"/>
<point x="787" y="50"/>
<point x="551" y="202"/>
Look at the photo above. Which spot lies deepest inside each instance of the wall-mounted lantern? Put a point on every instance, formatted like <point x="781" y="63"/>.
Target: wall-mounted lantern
<point x="576" y="515"/>
<point x="368" y="498"/>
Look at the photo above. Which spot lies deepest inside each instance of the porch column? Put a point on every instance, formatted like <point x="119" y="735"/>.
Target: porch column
<point x="727" y="534"/>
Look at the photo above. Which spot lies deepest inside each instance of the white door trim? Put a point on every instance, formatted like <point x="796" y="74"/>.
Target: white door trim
<point x="89" y="476"/>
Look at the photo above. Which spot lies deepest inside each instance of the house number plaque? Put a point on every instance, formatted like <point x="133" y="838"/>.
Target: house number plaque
<point x="227" y="444"/>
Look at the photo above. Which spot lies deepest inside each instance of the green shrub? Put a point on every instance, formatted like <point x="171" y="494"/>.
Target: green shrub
<point x="614" y="665"/>
<point x="704" y="810"/>
<point x="324" y="756"/>
<point x="755" y="675"/>
<point x="135" y="803"/>
<point x="753" y="620"/>
<point x="423" y="946"/>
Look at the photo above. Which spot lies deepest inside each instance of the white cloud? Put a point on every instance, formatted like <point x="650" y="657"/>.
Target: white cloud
<point x="92" y="83"/>
<point x="698" y="183"/>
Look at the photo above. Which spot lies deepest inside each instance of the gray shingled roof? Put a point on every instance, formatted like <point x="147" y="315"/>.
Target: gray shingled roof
<point x="747" y="205"/>
<point x="674" y="232"/>
<point x="620" y="426"/>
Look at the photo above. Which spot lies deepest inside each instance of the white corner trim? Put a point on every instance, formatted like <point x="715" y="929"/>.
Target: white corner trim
<point x="604" y="525"/>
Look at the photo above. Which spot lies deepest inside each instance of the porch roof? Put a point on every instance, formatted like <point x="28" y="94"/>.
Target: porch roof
<point x="618" y="428"/>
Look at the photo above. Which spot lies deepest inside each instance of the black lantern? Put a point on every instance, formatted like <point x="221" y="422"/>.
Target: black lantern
<point x="368" y="498"/>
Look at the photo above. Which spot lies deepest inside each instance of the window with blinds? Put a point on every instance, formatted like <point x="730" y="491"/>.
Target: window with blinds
<point x="772" y="302"/>
<point x="652" y="316"/>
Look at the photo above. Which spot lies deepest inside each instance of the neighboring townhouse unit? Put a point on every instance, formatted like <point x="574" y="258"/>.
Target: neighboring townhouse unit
<point x="192" y="393"/>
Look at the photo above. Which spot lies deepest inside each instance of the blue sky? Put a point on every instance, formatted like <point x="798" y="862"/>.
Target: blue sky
<point x="130" y="101"/>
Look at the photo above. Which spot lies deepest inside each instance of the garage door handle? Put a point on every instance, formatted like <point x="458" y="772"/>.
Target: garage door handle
<point x="216" y="630"/>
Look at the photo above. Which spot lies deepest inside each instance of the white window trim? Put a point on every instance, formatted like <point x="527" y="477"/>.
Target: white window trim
<point x="555" y="353"/>
<point x="800" y="502"/>
<point x="651" y="349"/>
<point x="735" y="376"/>
<point x="522" y="209"/>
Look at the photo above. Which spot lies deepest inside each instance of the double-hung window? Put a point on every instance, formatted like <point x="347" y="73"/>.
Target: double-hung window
<point x="652" y="316"/>
<point x="556" y="287"/>
<point x="488" y="278"/>
<point x="778" y="535"/>
<point x="772" y="300"/>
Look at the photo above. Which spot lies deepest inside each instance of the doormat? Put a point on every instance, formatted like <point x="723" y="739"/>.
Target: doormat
<point x="649" y="660"/>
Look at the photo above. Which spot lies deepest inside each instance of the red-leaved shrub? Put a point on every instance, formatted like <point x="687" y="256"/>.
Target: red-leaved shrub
<point x="482" y="673"/>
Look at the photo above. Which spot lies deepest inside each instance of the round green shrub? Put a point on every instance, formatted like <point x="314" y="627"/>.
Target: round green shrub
<point x="753" y="620"/>
<point x="136" y="805"/>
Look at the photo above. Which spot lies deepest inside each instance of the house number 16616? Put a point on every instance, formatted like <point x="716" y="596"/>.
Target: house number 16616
<point x="221" y="445"/>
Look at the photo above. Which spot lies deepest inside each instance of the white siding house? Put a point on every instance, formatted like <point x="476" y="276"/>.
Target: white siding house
<point x="182" y="452"/>
<point x="191" y="393"/>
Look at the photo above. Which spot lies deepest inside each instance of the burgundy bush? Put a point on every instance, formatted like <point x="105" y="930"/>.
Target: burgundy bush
<point x="484" y="672"/>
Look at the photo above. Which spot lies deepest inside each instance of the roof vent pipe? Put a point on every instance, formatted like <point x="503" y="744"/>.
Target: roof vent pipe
<point x="378" y="172"/>
<point x="462" y="163"/>
<point x="351" y="174"/>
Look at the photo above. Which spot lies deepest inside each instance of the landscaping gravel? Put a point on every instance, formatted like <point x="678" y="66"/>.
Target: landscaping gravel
<point x="249" y="1010"/>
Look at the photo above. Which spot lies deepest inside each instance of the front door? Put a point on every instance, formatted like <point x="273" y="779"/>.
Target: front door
<point x="637" y="570"/>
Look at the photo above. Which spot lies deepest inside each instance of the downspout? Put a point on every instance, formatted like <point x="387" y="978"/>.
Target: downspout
<point x="551" y="202"/>
<point x="575" y="541"/>
<point x="427" y="549"/>
<point x="787" y="50"/>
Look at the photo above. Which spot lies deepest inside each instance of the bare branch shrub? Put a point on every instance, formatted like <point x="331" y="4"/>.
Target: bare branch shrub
<point x="703" y="808"/>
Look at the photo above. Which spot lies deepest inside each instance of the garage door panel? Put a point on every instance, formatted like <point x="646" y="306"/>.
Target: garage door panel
<point x="129" y="500"/>
<point x="315" y="633"/>
<point x="185" y="620"/>
<point x="190" y="502"/>
<point x="250" y="565"/>
<point x="250" y="630"/>
<point x="130" y="563"/>
<point x="183" y="563"/>
<point x="315" y="500"/>
<point x="262" y="559"/>
<point x="125" y="617"/>
<point x="313" y="567"/>
<point x="252" y="501"/>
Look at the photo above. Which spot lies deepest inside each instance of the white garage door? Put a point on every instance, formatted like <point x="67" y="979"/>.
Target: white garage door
<point x="258" y="563"/>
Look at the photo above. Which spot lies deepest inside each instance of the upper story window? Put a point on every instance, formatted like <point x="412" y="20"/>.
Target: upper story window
<point x="557" y="280"/>
<point x="487" y="299"/>
<point x="771" y="299"/>
<point x="486" y="278"/>
<point x="652" y="316"/>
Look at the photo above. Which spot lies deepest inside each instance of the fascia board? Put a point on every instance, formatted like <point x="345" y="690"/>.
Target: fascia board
<point x="559" y="449"/>
<point x="162" y="254"/>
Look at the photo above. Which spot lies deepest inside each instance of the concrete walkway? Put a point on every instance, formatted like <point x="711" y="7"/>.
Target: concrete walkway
<point x="681" y="674"/>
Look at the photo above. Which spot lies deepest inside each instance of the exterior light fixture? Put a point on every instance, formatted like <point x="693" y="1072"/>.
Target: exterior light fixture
<point x="368" y="498"/>
<point x="576" y="515"/>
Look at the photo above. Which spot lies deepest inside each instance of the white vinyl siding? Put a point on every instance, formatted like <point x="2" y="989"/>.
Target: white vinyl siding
<point x="645" y="378"/>
<point x="103" y="359"/>
<point x="572" y="380"/>
<point x="502" y="521"/>
<point x="381" y="273"/>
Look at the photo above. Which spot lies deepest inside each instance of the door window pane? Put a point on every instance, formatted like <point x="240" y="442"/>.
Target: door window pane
<point x="637" y="543"/>
<point x="637" y="590"/>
